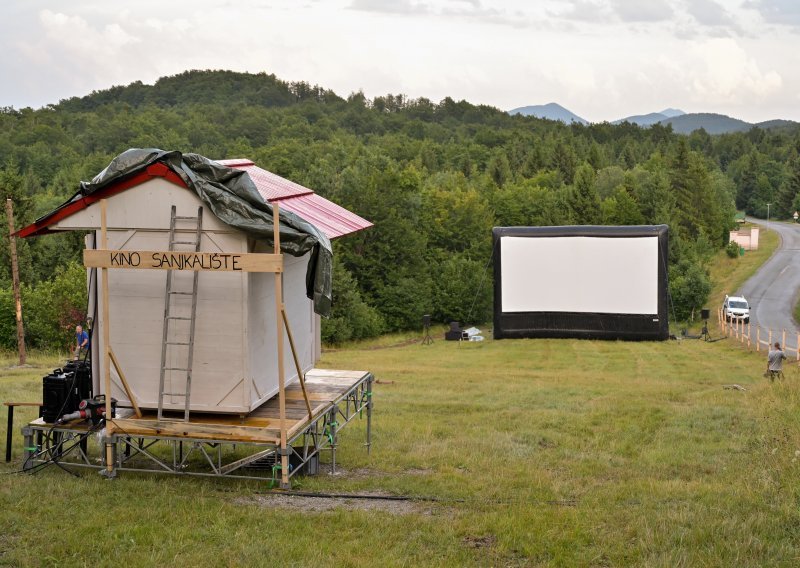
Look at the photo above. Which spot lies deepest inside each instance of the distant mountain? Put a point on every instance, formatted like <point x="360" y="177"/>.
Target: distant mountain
<point x="710" y="122"/>
<point x="684" y="123"/>
<point x="671" y="112"/>
<point x="551" y="111"/>
<point x="643" y="119"/>
<point x="681" y="122"/>
<point x="651" y="118"/>
<point x="777" y="124"/>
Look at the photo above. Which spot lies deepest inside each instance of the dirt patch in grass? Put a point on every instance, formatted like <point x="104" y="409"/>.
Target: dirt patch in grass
<point x="366" y="473"/>
<point x="479" y="541"/>
<point x="377" y="502"/>
<point x="404" y="343"/>
<point x="418" y="471"/>
<point x="356" y="473"/>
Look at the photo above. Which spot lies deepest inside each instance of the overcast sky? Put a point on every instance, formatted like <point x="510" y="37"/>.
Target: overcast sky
<point x="602" y="59"/>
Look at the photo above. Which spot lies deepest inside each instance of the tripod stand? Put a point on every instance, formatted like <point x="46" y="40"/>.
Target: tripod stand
<point x="426" y="330"/>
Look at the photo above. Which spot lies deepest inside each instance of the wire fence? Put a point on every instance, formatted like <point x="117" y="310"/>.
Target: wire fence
<point x="758" y="338"/>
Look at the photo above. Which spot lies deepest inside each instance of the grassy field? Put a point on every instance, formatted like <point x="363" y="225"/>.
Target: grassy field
<point x="542" y="452"/>
<point x="537" y="452"/>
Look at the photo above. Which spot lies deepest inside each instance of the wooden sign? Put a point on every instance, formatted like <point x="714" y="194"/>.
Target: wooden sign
<point x="177" y="260"/>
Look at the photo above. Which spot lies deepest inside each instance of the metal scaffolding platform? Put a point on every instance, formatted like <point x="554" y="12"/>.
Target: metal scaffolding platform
<point x="246" y="447"/>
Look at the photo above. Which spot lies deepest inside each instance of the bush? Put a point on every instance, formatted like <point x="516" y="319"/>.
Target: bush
<point x="50" y="310"/>
<point x="732" y="250"/>
<point x="404" y="301"/>
<point x="462" y="291"/>
<point x="689" y="287"/>
<point x="351" y="317"/>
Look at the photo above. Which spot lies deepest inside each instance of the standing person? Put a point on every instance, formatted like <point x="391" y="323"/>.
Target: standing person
<point x="81" y="342"/>
<point x="775" y="359"/>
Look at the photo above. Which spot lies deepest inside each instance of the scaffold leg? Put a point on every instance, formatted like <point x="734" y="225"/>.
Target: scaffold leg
<point x="29" y="449"/>
<point x="369" y="413"/>
<point x="332" y="425"/>
<point x="109" y="458"/>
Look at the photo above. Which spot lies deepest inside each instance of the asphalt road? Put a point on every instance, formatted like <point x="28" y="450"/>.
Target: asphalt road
<point x="771" y="292"/>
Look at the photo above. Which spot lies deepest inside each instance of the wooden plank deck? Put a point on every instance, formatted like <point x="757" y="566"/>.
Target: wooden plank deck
<point x="262" y="425"/>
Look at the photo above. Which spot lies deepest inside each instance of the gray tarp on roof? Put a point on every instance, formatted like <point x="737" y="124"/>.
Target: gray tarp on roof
<point x="233" y="198"/>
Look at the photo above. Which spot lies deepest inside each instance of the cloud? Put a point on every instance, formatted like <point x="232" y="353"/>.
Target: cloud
<point x="471" y="10"/>
<point x="709" y="13"/>
<point x="391" y="6"/>
<point x="627" y="11"/>
<point x="71" y="49"/>
<point x="75" y="33"/>
<point x="639" y="11"/>
<point x="785" y="12"/>
<point x="723" y="72"/>
<point x="585" y="11"/>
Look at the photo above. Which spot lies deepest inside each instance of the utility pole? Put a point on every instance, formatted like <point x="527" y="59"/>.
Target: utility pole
<point x="12" y="241"/>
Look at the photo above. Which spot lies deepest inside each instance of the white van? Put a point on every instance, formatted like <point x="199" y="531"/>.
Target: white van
<point x="736" y="308"/>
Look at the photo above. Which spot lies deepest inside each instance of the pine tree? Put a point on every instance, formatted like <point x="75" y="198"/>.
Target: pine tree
<point x="583" y="200"/>
<point x="748" y="183"/>
<point x="789" y="189"/>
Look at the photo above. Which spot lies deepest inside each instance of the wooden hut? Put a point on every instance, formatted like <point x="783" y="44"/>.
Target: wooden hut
<point x="232" y="350"/>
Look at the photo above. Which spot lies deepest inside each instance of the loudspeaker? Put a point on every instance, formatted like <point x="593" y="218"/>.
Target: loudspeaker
<point x="83" y="378"/>
<point x="58" y="395"/>
<point x="454" y="333"/>
<point x="704" y="313"/>
<point x="426" y="320"/>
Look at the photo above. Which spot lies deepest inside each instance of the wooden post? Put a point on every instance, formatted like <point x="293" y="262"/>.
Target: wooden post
<point x="125" y="384"/>
<point x="276" y="237"/>
<point x="106" y="340"/>
<point x="749" y="346"/>
<point x="758" y="338"/>
<point x="798" y="346"/>
<point x="12" y="243"/>
<point x="783" y="340"/>
<point x="770" y="340"/>
<point x="299" y="370"/>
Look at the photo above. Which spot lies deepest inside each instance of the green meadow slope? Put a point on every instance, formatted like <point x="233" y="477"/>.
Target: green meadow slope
<point x="528" y="452"/>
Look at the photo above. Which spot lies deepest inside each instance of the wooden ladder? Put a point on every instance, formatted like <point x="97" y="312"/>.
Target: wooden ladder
<point x="169" y="318"/>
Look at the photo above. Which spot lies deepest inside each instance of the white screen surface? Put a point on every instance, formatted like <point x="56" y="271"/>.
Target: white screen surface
<point x="579" y="274"/>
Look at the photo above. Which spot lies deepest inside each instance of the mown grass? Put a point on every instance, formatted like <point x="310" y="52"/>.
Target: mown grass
<point x="544" y="452"/>
<point x="541" y="452"/>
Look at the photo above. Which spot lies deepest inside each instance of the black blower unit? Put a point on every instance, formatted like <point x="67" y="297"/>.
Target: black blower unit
<point x="83" y="378"/>
<point x="64" y="389"/>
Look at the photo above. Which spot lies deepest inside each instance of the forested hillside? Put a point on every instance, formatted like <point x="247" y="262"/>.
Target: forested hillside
<point x="434" y="177"/>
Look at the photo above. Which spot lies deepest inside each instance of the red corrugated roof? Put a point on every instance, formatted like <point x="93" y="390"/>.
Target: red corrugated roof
<point x="271" y="186"/>
<point x="333" y="220"/>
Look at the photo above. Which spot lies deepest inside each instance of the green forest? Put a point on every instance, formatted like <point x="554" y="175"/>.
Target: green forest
<point x="434" y="178"/>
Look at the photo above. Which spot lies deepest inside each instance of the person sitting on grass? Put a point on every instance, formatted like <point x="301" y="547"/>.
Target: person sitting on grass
<point x="775" y="359"/>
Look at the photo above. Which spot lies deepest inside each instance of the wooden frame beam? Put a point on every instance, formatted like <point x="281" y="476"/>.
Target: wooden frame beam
<point x="106" y="339"/>
<point x="187" y="261"/>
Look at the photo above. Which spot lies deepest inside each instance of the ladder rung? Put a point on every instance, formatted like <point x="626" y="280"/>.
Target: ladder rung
<point x="177" y="318"/>
<point x="174" y="393"/>
<point x="183" y="293"/>
<point x="176" y="369"/>
<point x="177" y="343"/>
<point x="185" y="218"/>
<point x="194" y="243"/>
